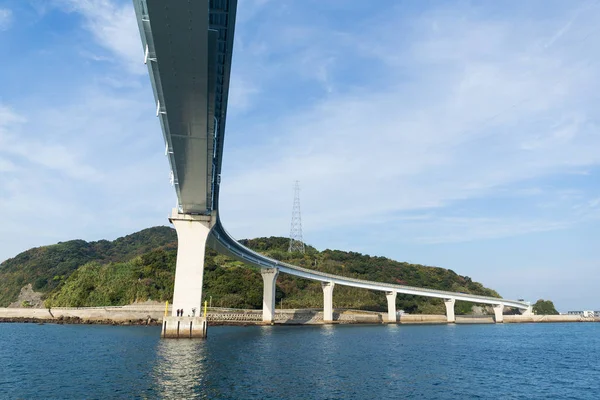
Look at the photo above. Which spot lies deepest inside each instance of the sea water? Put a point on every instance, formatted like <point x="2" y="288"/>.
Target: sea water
<point x="503" y="361"/>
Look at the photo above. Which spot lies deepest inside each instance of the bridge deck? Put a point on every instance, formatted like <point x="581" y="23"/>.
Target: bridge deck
<point x="188" y="50"/>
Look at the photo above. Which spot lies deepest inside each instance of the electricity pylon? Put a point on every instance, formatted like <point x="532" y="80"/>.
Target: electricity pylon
<point x="296" y="242"/>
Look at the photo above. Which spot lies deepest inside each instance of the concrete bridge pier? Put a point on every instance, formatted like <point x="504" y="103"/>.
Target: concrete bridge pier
<point x="528" y="311"/>
<point x="192" y="231"/>
<point x="184" y="327"/>
<point x="450" y="310"/>
<point x="269" y="276"/>
<point x="391" y="300"/>
<point x="327" y="301"/>
<point x="498" y="313"/>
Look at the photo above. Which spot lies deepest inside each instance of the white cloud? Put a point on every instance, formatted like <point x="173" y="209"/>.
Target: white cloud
<point x="90" y="166"/>
<point x="241" y="94"/>
<point x="8" y="117"/>
<point x="28" y="148"/>
<point x="464" y="111"/>
<point x="455" y="230"/>
<point x="114" y="27"/>
<point x="247" y="9"/>
<point x="6" y="165"/>
<point x="6" y="18"/>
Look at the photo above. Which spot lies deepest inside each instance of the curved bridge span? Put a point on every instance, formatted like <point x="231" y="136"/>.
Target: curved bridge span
<point x="188" y="48"/>
<point x="224" y="243"/>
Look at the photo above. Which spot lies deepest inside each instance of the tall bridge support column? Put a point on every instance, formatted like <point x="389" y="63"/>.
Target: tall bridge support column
<point x="269" y="276"/>
<point x="192" y="231"/>
<point x="498" y="310"/>
<point x="391" y="300"/>
<point x="327" y="301"/>
<point x="450" y="310"/>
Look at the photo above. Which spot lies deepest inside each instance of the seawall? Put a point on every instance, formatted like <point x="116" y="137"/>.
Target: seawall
<point x="133" y="314"/>
<point x="153" y="315"/>
<point x="548" y="318"/>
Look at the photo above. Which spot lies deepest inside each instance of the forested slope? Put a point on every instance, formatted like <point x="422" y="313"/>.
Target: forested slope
<point x="47" y="267"/>
<point x="141" y="267"/>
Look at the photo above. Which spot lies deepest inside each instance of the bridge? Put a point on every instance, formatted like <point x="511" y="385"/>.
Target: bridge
<point x="187" y="47"/>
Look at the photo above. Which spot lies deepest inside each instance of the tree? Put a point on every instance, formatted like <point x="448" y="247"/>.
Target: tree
<point x="544" y="307"/>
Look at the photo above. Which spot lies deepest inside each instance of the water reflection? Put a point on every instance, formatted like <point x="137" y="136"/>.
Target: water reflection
<point x="327" y="330"/>
<point x="180" y="369"/>
<point x="266" y="330"/>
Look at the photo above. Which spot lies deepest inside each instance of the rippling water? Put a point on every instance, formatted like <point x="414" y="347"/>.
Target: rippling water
<point x="521" y="361"/>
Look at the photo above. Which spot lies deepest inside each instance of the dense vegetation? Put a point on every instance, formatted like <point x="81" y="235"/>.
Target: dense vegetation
<point x="47" y="267"/>
<point x="544" y="307"/>
<point x="145" y="277"/>
<point x="141" y="267"/>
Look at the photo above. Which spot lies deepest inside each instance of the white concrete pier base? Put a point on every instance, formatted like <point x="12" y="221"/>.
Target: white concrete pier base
<point x="184" y="328"/>
<point x="391" y="300"/>
<point x="269" y="276"/>
<point x="327" y="301"/>
<point x="192" y="231"/>
<point x="450" y="310"/>
<point x="528" y="311"/>
<point x="498" y="313"/>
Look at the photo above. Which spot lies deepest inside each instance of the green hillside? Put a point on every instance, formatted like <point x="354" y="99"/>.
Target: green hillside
<point x="141" y="267"/>
<point x="47" y="267"/>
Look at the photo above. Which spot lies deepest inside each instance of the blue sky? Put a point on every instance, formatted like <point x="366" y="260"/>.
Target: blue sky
<point x="459" y="134"/>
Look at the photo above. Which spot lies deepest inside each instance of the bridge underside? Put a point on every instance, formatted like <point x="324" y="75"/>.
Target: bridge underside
<point x="188" y="48"/>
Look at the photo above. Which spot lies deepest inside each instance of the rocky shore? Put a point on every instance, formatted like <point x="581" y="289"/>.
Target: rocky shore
<point x="80" y="321"/>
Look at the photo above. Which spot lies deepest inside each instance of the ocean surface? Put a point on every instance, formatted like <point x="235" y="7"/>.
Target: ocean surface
<point x="510" y="361"/>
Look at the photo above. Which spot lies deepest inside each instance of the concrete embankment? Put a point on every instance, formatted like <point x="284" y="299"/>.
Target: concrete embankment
<point x="126" y="315"/>
<point x="489" y="319"/>
<point x="548" y="318"/>
<point x="153" y="315"/>
<point x="422" y="319"/>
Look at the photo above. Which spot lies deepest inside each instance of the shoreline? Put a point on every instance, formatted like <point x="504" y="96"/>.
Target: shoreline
<point x="152" y="315"/>
<point x="79" y="321"/>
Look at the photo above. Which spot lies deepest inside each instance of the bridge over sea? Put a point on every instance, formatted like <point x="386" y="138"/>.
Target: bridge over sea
<point x="187" y="47"/>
